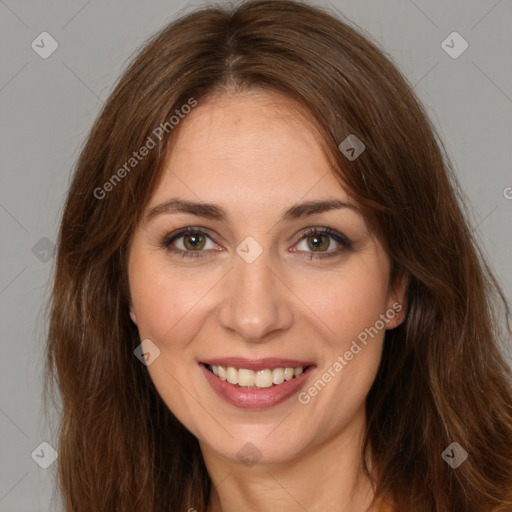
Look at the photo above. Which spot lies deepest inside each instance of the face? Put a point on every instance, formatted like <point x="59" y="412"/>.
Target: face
<point x="268" y="312"/>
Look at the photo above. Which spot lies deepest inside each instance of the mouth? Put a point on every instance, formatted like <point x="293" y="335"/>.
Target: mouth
<point x="256" y="379"/>
<point x="256" y="384"/>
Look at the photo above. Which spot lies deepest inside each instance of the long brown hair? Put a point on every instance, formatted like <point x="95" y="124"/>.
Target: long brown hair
<point x="442" y="377"/>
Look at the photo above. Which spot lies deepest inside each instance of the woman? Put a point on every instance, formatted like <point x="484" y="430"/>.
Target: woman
<point x="267" y="295"/>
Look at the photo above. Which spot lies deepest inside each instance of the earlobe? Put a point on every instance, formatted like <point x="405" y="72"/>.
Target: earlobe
<point x="399" y="315"/>
<point x="397" y="300"/>
<point x="132" y="315"/>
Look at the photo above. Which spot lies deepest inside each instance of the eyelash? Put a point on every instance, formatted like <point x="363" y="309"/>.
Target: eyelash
<point x="338" y="237"/>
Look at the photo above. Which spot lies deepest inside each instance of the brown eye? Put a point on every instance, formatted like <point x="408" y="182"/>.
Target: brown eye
<point x="188" y="242"/>
<point x="322" y="242"/>
<point x="318" y="242"/>
<point x="194" y="241"/>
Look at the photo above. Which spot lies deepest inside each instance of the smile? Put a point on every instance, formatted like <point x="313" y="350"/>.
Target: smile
<point x="256" y="384"/>
<point x="264" y="378"/>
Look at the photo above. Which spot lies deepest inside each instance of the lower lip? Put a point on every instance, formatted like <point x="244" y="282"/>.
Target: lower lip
<point x="252" y="398"/>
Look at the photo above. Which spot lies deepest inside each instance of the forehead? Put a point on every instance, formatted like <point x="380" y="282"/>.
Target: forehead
<point x="254" y="146"/>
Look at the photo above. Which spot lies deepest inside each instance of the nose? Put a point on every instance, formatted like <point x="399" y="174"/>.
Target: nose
<point x="257" y="302"/>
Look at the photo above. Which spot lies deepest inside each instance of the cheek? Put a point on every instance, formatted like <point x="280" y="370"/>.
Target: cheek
<point x="163" y="296"/>
<point x="166" y="305"/>
<point x="349" y="310"/>
<point x="349" y="301"/>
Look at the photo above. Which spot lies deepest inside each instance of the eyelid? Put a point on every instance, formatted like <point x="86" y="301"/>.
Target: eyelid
<point x="323" y="230"/>
<point x="180" y="233"/>
<point x="339" y="238"/>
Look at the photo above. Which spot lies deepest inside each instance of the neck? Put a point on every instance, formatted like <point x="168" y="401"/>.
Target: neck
<point x="326" y="476"/>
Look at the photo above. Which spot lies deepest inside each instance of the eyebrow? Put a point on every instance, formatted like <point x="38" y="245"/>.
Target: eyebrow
<point x="216" y="212"/>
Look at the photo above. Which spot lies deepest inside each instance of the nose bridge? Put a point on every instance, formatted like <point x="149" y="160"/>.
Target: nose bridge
<point x="256" y="303"/>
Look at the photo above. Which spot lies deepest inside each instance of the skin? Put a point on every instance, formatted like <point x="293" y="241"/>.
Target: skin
<point x="238" y="151"/>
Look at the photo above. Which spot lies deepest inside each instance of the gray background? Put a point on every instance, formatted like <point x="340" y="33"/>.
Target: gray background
<point x="48" y="106"/>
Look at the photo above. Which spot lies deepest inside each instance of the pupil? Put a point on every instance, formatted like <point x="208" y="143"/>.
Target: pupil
<point x="317" y="241"/>
<point x="194" y="241"/>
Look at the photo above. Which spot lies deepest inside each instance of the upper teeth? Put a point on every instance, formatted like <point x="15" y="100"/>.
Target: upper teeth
<point x="260" y="378"/>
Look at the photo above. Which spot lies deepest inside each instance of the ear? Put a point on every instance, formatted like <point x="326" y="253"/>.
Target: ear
<point x="397" y="299"/>
<point x="132" y="313"/>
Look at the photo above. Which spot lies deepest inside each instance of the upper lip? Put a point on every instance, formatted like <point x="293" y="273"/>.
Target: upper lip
<point x="256" y="364"/>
